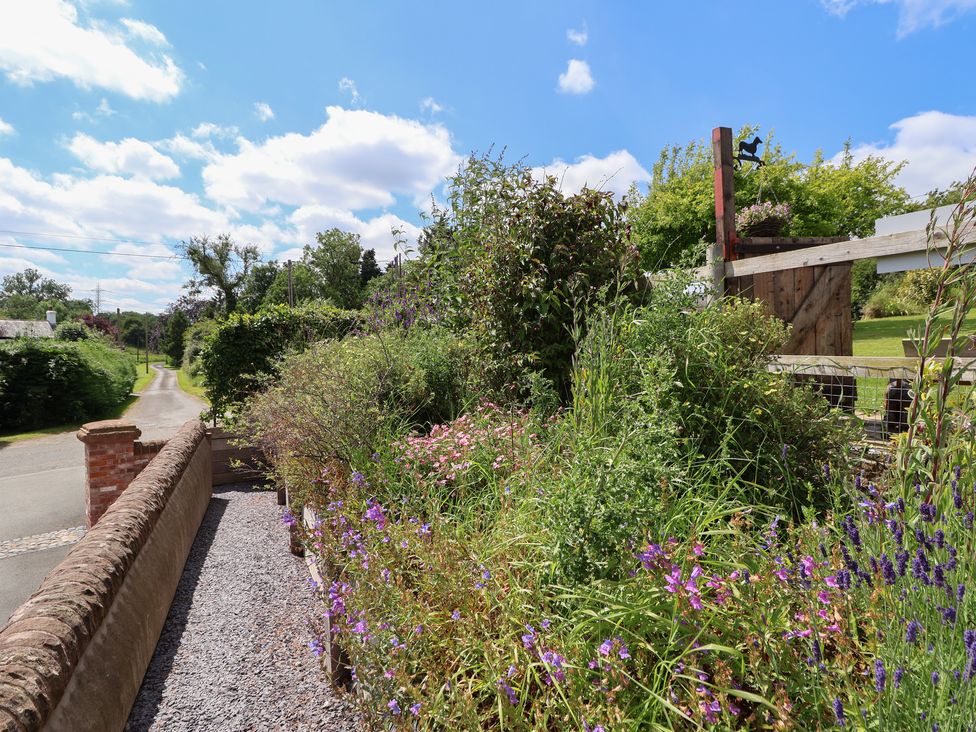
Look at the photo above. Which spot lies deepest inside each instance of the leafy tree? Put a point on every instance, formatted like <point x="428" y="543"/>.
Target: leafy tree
<point x="30" y="283"/>
<point x="257" y="284"/>
<point x="176" y="326"/>
<point x="305" y="282"/>
<point x="220" y="264"/>
<point x="948" y="196"/>
<point x="676" y="216"/>
<point x="368" y="268"/>
<point x="335" y="259"/>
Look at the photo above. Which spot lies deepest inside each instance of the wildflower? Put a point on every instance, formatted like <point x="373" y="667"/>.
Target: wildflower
<point x="418" y="630"/>
<point x="456" y="615"/>
<point x="605" y="647"/>
<point x="879" y="676"/>
<point x="887" y="570"/>
<point x="899" y="673"/>
<point x="394" y="707"/>
<point x="317" y="648"/>
<point x="839" y="712"/>
<point x="359" y="479"/>
<point x="288" y="518"/>
<point x="948" y="615"/>
<point x="528" y="640"/>
<point x="415" y="709"/>
<point x="831" y="581"/>
<point x="509" y="692"/>
<point x="911" y="632"/>
<point x="935" y="678"/>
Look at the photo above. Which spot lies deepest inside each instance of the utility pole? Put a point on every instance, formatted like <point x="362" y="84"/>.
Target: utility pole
<point x="291" y="288"/>
<point x="98" y="298"/>
<point x="147" y="342"/>
<point x="118" y="321"/>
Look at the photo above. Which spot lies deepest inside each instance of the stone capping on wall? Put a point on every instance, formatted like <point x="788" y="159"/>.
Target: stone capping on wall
<point x="47" y="637"/>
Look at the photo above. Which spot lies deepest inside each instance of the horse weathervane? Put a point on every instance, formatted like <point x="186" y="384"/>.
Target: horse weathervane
<point x="747" y="153"/>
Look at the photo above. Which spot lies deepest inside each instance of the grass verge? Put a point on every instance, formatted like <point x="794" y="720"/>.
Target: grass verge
<point x="192" y="385"/>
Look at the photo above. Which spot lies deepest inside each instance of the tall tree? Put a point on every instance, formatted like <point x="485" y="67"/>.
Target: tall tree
<point x="222" y="265"/>
<point x="368" y="268"/>
<point x="257" y="284"/>
<point x="335" y="259"/>
<point x="176" y="325"/>
<point x="676" y="216"/>
<point x="30" y="283"/>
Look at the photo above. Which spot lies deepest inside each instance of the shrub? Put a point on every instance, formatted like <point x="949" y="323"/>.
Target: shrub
<point x="918" y="287"/>
<point x="245" y="349"/>
<point x="333" y="401"/>
<point x="888" y="301"/>
<point x="46" y="382"/>
<point x="195" y="338"/>
<point x="73" y="330"/>
<point x="516" y="262"/>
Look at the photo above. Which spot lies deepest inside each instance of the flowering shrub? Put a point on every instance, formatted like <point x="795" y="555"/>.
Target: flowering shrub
<point x="763" y="219"/>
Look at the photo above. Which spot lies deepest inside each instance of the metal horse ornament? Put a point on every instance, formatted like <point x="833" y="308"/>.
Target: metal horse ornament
<point x="747" y="153"/>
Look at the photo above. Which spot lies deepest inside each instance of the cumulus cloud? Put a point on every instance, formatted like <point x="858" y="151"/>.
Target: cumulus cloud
<point x="939" y="149"/>
<point x="44" y="39"/>
<point x="576" y="79"/>
<point x="375" y="233"/>
<point x="101" y="206"/>
<point x="913" y="15"/>
<point x="356" y="160"/>
<point x="5" y="128"/>
<point x="183" y="147"/>
<point x="578" y="37"/>
<point x="348" y="86"/>
<point x="144" y="32"/>
<point x="263" y="111"/>
<point x="127" y="157"/>
<point x="616" y="173"/>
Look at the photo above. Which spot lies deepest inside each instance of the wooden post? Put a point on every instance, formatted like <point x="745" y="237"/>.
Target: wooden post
<point x="291" y="289"/>
<point x="724" y="192"/>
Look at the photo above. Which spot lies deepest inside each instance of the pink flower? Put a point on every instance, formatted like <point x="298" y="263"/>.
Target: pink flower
<point x="831" y="581"/>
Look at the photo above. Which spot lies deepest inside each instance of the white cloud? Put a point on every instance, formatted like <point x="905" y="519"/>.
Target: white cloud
<point x="347" y="85"/>
<point x="102" y="206"/>
<point x="183" y="147"/>
<point x="615" y="173"/>
<point x="356" y="160"/>
<point x="6" y="128"/>
<point x="913" y="15"/>
<point x="128" y="157"/>
<point x="104" y="109"/>
<point x="44" y="39"/>
<point x="577" y="78"/>
<point x="578" y="37"/>
<point x="428" y="104"/>
<point x="210" y="129"/>
<point x="376" y="233"/>
<point x="939" y="148"/>
<point x="263" y="111"/>
<point x="143" y="268"/>
<point x="145" y="32"/>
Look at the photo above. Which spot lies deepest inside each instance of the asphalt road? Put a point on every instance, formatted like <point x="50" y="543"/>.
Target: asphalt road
<point x="42" y="485"/>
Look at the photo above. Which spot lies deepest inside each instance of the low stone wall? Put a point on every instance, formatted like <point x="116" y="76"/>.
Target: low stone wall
<point x="73" y="656"/>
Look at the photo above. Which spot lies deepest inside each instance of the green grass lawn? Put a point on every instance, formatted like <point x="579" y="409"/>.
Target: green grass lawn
<point x="192" y="385"/>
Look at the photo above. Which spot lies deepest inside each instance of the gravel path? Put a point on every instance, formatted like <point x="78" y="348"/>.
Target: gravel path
<point x="234" y="652"/>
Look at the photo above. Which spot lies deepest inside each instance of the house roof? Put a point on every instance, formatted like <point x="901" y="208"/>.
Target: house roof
<point x="25" y="329"/>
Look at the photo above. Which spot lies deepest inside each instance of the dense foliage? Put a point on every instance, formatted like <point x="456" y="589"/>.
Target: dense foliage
<point x="516" y="263"/>
<point x="45" y="381"/>
<point x="245" y="349"/>
<point x="677" y="214"/>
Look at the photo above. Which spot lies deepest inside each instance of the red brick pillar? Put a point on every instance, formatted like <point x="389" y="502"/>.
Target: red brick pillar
<point x="109" y="459"/>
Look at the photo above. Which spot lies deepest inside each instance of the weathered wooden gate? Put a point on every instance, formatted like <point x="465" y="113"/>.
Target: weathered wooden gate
<point x="814" y="299"/>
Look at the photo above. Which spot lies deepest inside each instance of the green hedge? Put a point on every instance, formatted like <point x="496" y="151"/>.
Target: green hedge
<point x="245" y="349"/>
<point x="47" y="382"/>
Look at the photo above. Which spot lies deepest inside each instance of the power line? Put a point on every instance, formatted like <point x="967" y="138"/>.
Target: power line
<point x="75" y="236"/>
<point x="93" y="251"/>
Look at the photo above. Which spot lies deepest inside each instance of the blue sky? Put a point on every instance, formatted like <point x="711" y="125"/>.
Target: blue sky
<point x="129" y="126"/>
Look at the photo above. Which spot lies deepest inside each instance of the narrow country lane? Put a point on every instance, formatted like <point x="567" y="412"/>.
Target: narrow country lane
<point x="42" y="500"/>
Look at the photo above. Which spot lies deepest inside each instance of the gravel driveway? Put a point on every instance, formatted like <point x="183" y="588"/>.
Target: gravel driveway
<point x="234" y="652"/>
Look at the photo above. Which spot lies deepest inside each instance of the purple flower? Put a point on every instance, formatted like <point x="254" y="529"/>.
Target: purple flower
<point x="317" y="648"/>
<point x="509" y="692"/>
<point x="839" y="712"/>
<point x="605" y="647"/>
<point x="288" y="518"/>
<point x="899" y="673"/>
<point x="394" y="707"/>
<point x="359" y="479"/>
<point x="879" y="676"/>
<point x="935" y="678"/>
<point x="456" y="615"/>
<point x="911" y="632"/>
<point x="888" y="570"/>
<point x="415" y="709"/>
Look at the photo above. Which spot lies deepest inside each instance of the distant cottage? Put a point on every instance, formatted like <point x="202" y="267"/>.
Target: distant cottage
<point x="28" y="328"/>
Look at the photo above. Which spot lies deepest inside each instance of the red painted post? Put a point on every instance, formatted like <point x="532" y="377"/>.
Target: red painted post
<point x="724" y="192"/>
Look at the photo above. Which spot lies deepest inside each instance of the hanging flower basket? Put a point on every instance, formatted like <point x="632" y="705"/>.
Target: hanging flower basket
<point x="763" y="219"/>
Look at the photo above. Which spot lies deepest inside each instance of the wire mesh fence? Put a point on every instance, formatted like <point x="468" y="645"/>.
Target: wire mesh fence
<point x="876" y="389"/>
